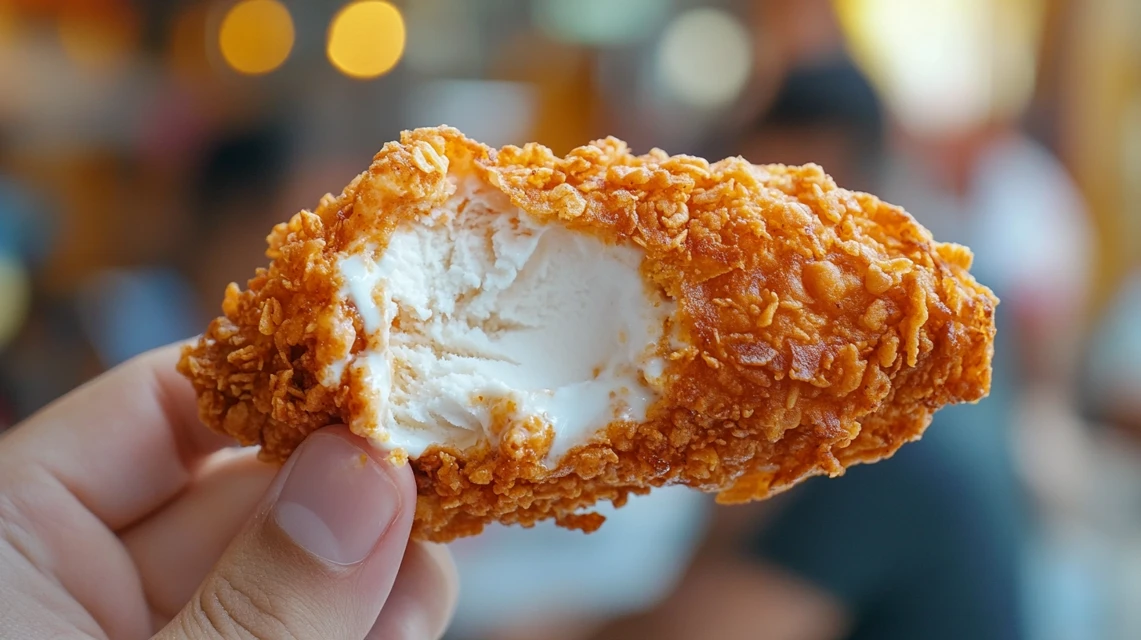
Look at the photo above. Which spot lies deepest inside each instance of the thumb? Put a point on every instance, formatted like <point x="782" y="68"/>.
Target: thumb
<point x="319" y="558"/>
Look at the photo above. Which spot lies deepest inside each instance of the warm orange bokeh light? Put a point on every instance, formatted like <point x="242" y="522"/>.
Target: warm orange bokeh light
<point x="366" y="39"/>
<point x="256" y="36"/>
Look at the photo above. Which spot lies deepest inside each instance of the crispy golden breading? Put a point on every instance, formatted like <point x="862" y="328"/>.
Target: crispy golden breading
<point x="823" y="327"/>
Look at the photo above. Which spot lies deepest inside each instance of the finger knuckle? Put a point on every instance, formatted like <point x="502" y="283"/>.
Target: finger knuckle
<point x="235" y="607"/>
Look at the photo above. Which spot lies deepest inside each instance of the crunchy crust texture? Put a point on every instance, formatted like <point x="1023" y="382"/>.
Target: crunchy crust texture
<point x="823" y="327"/>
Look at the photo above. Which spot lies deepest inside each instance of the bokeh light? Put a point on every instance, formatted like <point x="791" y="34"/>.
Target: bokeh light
<point x="704" y="58"/>
<point x="941" y="64"/>
<point x="600" y="22"/>
<point x="366" y="39"/>
<point x="256" y="36"/>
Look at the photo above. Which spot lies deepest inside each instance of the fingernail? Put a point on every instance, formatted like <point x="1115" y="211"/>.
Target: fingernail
<point x="337" y="500"/>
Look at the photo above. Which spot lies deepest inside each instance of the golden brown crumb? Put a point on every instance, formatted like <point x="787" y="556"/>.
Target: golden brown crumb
<point x="823" y="328"/>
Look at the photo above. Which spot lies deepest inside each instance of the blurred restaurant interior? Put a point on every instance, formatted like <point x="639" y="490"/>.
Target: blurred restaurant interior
<point x="147" y="147"/>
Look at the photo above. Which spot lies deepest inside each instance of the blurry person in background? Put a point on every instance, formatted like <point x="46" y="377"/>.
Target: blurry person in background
<point x="987" y="184"/>
<point x="1005" y="195"/>
<point x="925" y="545"/>
<point x="959" y="77"/>
<point x="990" y="186"/>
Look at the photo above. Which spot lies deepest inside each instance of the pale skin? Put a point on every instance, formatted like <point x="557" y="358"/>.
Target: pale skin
<point x="121" y="516"/>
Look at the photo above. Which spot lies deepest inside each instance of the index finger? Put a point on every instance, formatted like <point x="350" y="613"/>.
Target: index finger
<point x="124" y="443"/>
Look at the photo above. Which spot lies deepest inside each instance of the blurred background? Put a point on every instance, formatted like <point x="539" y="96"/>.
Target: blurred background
<point x="146" y="148"/>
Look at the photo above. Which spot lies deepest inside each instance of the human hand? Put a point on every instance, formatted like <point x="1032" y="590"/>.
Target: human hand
<point x="122" y="517"/>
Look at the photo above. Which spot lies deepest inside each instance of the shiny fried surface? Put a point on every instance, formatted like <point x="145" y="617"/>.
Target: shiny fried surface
<point x="819" y="327"/>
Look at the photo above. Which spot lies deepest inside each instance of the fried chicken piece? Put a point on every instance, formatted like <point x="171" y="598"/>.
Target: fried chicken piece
<point x="535" y="334"/>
